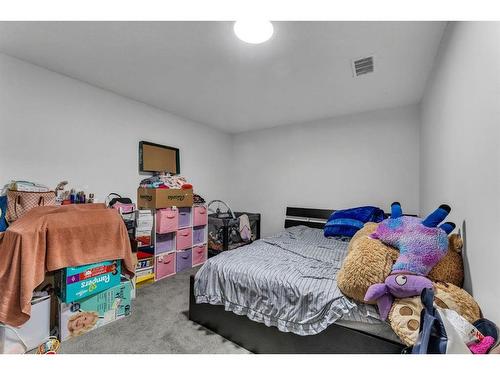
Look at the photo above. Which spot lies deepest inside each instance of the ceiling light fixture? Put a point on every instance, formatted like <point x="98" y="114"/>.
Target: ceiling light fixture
<point x="254" y="32"/>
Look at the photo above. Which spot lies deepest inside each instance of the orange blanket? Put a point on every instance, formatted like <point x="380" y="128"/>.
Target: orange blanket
<point x="50" y="238"/>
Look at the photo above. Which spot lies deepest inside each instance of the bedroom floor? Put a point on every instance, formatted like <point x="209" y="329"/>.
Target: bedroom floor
<point x="159" y="324"/>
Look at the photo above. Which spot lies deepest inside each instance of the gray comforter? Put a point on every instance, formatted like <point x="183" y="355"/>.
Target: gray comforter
<point x="287" y="281"/>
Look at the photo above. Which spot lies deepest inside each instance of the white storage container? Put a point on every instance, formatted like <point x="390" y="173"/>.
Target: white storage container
<point x="32" y="333"/>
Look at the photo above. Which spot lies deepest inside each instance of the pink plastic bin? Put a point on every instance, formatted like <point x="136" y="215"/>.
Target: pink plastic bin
<point x="184" y="238"/>
<point x="166" y="220"/>
<point x="200" y="216"/>
<point x="199" y="254"/>
<point x="165" y="265"/>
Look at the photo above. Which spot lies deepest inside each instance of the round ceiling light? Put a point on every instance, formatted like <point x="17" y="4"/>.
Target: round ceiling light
<point x="254" y="32"/>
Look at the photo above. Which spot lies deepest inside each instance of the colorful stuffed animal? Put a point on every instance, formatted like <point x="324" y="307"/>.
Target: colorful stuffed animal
<point x="369" y="261"/>
<point x="404" y="316"/>
<point x="421" y="243"/>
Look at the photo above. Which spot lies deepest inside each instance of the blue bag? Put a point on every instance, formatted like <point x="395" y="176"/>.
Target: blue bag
<point x="3" y="212"/>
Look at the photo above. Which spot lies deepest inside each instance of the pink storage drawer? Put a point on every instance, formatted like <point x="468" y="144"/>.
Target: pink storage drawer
<point x="184" y="238"/>
<point x="164" y="265"/>
<point x="166" y="220"/>
<point x="200" y="216"/>
<point x="199" y="254"/>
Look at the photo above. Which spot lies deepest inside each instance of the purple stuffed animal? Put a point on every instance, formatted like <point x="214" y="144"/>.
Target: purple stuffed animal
<point x="421" y="243"/>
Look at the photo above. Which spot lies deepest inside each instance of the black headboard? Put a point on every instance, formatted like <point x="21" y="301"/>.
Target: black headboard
<point x="310" y="217"/>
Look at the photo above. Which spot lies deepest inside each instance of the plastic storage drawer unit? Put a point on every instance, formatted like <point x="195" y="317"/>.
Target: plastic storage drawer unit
<point x="200" y="216"/>
<point x="199" y="254"/>
<point x="165" y="265"/>
<point x="183" y="260"/>
<point x="184" y="238"/>
<point x="166" y="220"/>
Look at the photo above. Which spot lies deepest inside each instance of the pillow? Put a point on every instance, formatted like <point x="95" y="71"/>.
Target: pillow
<point x="3" y="211"/>
<point x="348" y="222"/>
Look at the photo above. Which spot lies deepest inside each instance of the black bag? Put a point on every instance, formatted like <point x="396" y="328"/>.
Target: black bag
<point x="432" y="337"/>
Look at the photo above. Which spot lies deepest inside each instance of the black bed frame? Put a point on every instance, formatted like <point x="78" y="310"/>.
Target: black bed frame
<point x="258" y="338"/>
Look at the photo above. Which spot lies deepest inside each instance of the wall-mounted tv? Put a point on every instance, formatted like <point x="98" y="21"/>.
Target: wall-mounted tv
<point x="155" y="158"/>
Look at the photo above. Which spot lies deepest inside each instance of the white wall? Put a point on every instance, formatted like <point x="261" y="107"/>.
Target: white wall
<point x="56" y="128"/>
<point x="460" y="148"/>
<point x="364" y="159"/>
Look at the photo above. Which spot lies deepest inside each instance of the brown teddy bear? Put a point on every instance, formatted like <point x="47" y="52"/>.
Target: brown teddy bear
<point x="369" y="261"/>
<point x="404" y="316"/>
<point x="451" y="268"/>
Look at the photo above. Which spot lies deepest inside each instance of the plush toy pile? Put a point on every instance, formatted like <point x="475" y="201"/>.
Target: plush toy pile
<point x="390" y="263"/>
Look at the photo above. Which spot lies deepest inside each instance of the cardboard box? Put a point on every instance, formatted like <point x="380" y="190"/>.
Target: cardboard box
<point x="78" y="318"/>
<point x="74" y="283"/>
<point x="163" y="198"/>
<point x="32" y="333"/>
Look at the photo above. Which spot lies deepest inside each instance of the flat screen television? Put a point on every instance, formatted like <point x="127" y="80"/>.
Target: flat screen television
<point x="155" y="158"/>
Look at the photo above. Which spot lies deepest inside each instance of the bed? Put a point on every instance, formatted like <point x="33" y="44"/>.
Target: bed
<point x="279" y="295"/>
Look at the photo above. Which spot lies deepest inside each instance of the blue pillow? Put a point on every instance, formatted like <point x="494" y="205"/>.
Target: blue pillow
<point x="348" y="222"/>
<point x="3" y="212"/>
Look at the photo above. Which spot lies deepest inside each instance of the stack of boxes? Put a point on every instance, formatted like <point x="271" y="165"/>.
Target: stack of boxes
<point x="179" y="238"/>
<point x="91" y="296"/>
<point x="144" y="229"/>
<point x="145" y="247"/>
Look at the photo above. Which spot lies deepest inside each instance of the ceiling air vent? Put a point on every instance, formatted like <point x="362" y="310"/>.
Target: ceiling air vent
<point x="362" y="66"/>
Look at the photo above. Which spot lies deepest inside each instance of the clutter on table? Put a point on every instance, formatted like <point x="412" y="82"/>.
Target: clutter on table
<point x="82" y="292"/>
<point x="72" y="196"/>
<point x="75" y="234"/>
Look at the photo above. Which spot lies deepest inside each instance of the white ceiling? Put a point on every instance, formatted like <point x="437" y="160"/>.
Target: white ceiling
<point x="201" y="71"/>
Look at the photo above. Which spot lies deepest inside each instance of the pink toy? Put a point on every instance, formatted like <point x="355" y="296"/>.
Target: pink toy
<point x="483" y="346"/>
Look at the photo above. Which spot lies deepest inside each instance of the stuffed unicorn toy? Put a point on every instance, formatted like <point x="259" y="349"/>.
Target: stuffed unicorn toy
<point x="421" y="243"/>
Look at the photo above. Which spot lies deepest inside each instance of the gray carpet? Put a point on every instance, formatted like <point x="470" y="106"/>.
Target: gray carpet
<point x="158" y="324"/>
